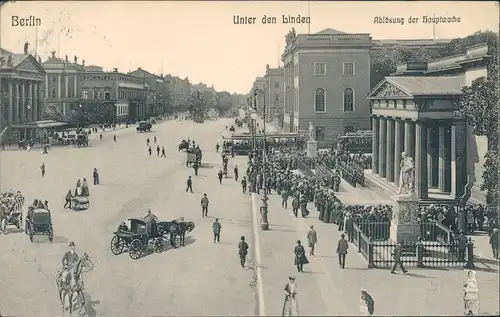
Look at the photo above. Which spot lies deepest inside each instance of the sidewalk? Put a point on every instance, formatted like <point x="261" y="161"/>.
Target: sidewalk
<point x="325" y="289"/>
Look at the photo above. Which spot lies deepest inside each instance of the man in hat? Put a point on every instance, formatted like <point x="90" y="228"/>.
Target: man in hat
<point x="494" y="242"/>
<point x="312" y="239"/>
<point x="300" y="256"/>
<point x="68" y="261"/>
<point x="342" y="247"/>
<point x="242" y="251"/>
<point x="290" y="303"/>
<point x="204" y="206"/>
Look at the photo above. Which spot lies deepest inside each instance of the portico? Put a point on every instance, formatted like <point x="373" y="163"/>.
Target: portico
<point x="416" y="115"/>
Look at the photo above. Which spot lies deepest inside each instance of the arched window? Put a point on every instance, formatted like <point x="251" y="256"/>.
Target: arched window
<point x="319" y="100"/>
<point x="348" y="100"/>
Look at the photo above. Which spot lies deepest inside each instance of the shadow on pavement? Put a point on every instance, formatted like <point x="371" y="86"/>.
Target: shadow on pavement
<point x="90" y="305"/>
<point x="59" y="239"/>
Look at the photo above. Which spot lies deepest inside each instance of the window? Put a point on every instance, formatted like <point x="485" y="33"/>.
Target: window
<point x="348" y="129"/>
<point x="53" y="92"/>
<point x="85" y="94"/>
<point x="348" y="100"/>
<point x="348" y="69"/>
<point x="277" y="85"/>
<point x="319" y="69"/>
<point x="107" y="94"/>
<point x="96" y="94"/>
<point x="319" y="100"/>
<point x="320" y="133"/>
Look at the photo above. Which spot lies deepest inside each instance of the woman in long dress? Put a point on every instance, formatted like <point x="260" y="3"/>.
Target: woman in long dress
<point x="85" y="188"/>
<point x="290" y="307"/>
<point x="471" y="294"/>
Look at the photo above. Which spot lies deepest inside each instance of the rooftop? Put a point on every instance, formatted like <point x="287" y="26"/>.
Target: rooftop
<point x="425" y="86"/>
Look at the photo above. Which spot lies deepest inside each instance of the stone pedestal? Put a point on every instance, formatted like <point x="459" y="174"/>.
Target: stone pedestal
<point x="404" y="222"/>
<point x="312" y="149"/>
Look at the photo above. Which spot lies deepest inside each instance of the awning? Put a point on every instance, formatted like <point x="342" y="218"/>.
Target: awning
<point x="43" y="124"/>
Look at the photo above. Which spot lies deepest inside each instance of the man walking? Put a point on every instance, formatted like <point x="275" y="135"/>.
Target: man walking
<point x="397" y="259"/>
<point x="494" y="242"/>
<point x="189" y="184"/>
<point x="244" y="185"/>
<point x="242" y="251"/>
<point x="216" y="226"/>
<point x="462" y="246"/>
<point x="342" y="247"/>
<point x="157" y="150"/>
<point x="163" y="152"/>
<point x="235" y="170"/>
<point x="114" y="138"/>
<point x="219" y="175"/>
<point x="204" y="206"/>
<point x="284" y="198"/>
<point x="42" y="169"/>
<point x="149" y="151"/>
<point x="349" y="227"/>
<point x="312" y="239"/>
<point x="300" y="257"/>
<point x="295" y="205"/>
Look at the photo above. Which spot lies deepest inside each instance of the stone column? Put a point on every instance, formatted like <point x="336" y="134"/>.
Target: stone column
<point x="10" y="102"/>
<point x="3" y="104"/>
<point x="46" y="86"/>
<point x="398" y="148"/>
<point x="382" y="145"/>
<point x="376" y="131"/>
<point x="17" y="101"/>
<point x="390" y="150"/>
<point x="23" y="102"/>
<point x="66" y="84"/>
<point x="30" y="96"/>
<point x="75" y="93"/>
<point x="432" y="157"/>
<point x="458" y="159"/>
<point x="410" y="138"/>
<point x="444" y="177"/>
<point x="421" y="185"/>
<point x="59" y="86"/>
<point x="35" y="101"/>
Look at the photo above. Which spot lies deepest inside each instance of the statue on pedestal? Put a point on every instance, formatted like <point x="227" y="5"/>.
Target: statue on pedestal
<point x="312" y="132"/>
<point x="26" y="46"/>
<point x="406" y="175"/>
<point x="76" y="59"/>
<point x="66" y="58"/>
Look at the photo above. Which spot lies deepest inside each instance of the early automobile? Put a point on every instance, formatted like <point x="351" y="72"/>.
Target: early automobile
<point x="144" y="126"/>
<point x="137" y="237"/>
<point x="193" y="155"/>
<point x="82" y="139"/>
<point x="184" y="145"/>
<point x="39" y="222"/>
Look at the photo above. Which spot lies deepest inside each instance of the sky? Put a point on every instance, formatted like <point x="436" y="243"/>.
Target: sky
<point x="198" y="39"/>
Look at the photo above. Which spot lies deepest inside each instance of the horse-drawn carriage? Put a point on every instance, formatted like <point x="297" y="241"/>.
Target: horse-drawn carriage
<point x="137" y="238"/>
<point x="184" y="145"/>
<point x="11" y="210"/>
<point x="39" y="222"/>
<point x="193" y="155"/>
<point x="144" y="126"/>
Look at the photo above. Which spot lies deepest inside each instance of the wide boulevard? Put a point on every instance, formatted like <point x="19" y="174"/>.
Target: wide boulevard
<point x="201" y="278"/>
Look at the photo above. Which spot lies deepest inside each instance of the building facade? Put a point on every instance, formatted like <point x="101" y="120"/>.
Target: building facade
<point x="274" y="80"/>
<point x="61" y="84"/>
<point x="259" y="96"/>
<point x="413" y="112"/>
<point x="21" y="82"/>
<point x="326" y="81"/>
<point x="126" y="94"/>
<point x="156" y="92"/>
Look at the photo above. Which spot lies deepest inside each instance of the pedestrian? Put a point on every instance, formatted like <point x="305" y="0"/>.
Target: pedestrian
<point x="300" y="257"/>
<point x="312" y="239"/>
<point x="149" y="151"/>
<point x="68" y="198"/>
<point x="366" y="304"/>
<point x="147" y="142"/>
<point x="216" y="227"/>
<point x="42" y="169"/>
<point x="494" y="242"/>
<point x="342" y="247"/>
<point x="217" y="146"/>
<point x="163" y="152"/>
<point x="295" y="205"/>
<point x="114" y="138"/>
<point x="154" y="139"/>
<point x="349" y="227"/>
<point x="462" y="246"/>
<point x="157" y="150"/>
<point x="189" y="184"/>
<point x="235" y="170"/>
<point x="290" y="307"/>
<point x="244" y="185"/>
<point x="284" y="198"/>
<point x="100" y="136"/>
<point x="397" y="259"/>
<point x="219" y="175"/>
<point x="196" y="166"/>
<point x="95" y="176"/>
<point x="242" y="251"/>
<point x="204" y="206"/>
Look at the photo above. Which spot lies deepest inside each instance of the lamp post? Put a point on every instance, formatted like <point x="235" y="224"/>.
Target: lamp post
<point x="264" y="223"/>
<point x="253" y="116"/>
<point x="28" y="107"/>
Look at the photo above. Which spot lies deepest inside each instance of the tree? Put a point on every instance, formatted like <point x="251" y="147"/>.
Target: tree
<point x="478" y="104"/>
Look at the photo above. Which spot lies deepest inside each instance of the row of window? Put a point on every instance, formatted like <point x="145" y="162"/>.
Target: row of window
<point x="106" y="95"/>
<point x="53" y="92"/>
<point x="320" y="100"/>
<point x="121" y="110"/>
<point x="348" y="69"/>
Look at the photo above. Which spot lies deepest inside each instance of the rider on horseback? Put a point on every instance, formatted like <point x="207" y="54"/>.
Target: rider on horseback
<point x="68" y="261"/>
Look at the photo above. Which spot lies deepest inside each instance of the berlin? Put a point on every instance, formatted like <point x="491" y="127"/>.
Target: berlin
<point x="333" y="167"/>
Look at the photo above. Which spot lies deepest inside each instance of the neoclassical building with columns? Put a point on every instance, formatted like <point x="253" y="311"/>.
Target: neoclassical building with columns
<point x="21" y="81"/>
<point x="413" y="111"/>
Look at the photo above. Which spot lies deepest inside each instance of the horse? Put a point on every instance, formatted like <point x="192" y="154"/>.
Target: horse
<point x="75" y="284"/>
<point x="176" y="228"/>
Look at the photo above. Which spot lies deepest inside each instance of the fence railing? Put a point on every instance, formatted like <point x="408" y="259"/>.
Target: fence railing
<point x="413" y="253"/>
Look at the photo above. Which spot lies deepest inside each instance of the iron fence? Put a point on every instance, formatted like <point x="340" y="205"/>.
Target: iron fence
<point x="429" y="231"/>
<point x="413" y="253"/>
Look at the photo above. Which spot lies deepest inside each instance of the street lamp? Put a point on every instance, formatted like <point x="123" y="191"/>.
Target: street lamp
<point x="264" y="223"/>
<point x="28" y="107"/>
<point x="253" y="116"/>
